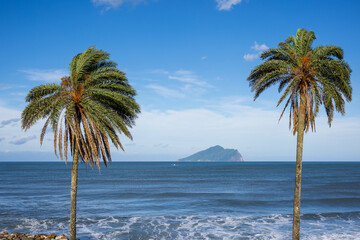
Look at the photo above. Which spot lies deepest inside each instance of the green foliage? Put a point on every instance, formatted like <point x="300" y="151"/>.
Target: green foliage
<point x="89" y="107"/>
<point x="318" y="74"/>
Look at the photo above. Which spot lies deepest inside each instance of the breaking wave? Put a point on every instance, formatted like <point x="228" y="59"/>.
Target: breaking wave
<point x="325" y="226"/>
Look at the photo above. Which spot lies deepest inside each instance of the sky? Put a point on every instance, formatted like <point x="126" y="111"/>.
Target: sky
<point x="188" y="61"/>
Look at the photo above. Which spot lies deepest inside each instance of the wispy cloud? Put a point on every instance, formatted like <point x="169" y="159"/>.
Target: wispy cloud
<point x="7" y="122"/>
<point x="161" y="145"/>
<point x="165" y="92"/>
<point x="227" y="4"/>
<point x="258" y="48"/>
<point x="115" y="3"/>
<point x="23" y="140"/>
<point x="18" y="93"/>
<point x="188" y="77"/>
<point x="203" y="57"/>
<point x="49" y="75"/>
<point x="191" y="84"/>
<point x="159" y="71"/>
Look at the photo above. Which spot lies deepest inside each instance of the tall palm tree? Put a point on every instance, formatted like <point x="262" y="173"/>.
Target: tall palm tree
<point x="307" y="78"/>
<point x="89" y="107"/>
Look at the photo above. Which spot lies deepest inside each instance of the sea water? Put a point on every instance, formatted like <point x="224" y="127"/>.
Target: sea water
<point x="190" y="201"/>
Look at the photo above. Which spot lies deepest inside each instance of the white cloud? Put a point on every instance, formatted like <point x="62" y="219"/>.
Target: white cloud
<point x="115" y="3"/>
<point x="190" y="84"/>
<point x="165" y="92"/>
<point x="183" y="72"/>
<point x="258" y="48"/>
<point x="188" y="77"/>
<point x="203" y="57"/>
<point x="261" y="47"/>
<point x="227" y="4"/>
<point x="234" y="123"/>
<point x="50" y="75"/>
<point x="159" y="71"/>
<point x="250" y="57"/>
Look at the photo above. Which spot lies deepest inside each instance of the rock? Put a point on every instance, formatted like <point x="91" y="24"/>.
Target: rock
<point x="24" y="236"/>
<point x="61" y="237"/>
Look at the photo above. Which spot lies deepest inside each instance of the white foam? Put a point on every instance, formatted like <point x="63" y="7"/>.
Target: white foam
<point x="271" y="227"/>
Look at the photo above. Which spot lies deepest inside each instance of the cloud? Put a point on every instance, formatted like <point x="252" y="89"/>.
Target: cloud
<point x="10" y="121"/>
<point x="192" y="90"/>
<point x="115" y="3"/>
<point x="236" y="123"/>
<point x="232" y="122"/>
<point x="159" y="71"/>
<point x="2" y="139"/>
<point x="258" y="48"/>
<point x="18" y="94"/>
<point x="7" y="122"/>
<point x="23" y="140"/>
<point x="161" y="145"/>
<point x="188" y="77"/>
<point x="203" y="57"/>
<point x="261" y="47"/>
<point x="227" y="4"/>
<point x="191" y="84"/>
<point x="250" y="57"/>
<point x="50" y="75"/>
<point x="165" y="92"/>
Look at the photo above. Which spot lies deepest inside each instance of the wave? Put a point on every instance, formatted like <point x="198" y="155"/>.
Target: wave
<point x="322" y="226"/>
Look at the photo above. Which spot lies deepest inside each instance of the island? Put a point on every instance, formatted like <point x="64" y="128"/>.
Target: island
<point x="215" y="154"/>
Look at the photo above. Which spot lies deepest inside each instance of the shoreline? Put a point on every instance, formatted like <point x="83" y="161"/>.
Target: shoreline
<point x="25" y="236"/>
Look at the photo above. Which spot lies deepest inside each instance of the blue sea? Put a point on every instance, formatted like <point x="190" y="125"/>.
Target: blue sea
<point x="175" y="200"/>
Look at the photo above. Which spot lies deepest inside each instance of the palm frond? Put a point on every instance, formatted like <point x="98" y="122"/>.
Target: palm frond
<point x="95" y="103"/>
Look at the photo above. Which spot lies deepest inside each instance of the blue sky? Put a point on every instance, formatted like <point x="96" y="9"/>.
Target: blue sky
<point x="188" y="61"/>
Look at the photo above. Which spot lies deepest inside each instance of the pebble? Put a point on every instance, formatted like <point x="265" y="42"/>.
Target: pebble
<point x="24" y="236"/>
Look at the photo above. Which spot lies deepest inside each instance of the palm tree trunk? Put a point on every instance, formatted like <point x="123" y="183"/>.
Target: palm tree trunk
<point x="299" y="151"/>
<point x="73" y="193"/>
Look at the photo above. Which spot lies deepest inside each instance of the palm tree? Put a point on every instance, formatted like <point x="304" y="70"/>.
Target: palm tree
<point x="307" y="78"/>
<point x="89" y="107"/>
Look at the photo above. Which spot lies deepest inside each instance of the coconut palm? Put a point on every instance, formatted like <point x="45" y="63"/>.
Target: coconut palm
<point x="307" y="78"/>
<point x="87" y="109"/>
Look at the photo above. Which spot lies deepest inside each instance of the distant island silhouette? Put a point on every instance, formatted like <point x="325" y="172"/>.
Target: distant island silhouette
<point x="214" y="154"/>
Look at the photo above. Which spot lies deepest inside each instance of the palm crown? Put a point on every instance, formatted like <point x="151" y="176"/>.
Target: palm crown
<point x="313" y="75"/>
<point x="89" y="107"/>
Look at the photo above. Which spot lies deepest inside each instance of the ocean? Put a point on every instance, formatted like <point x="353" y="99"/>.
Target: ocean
<point x="178" y="200"/>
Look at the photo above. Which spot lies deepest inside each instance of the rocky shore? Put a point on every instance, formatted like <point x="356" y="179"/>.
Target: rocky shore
<point x="24" y="236"/>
